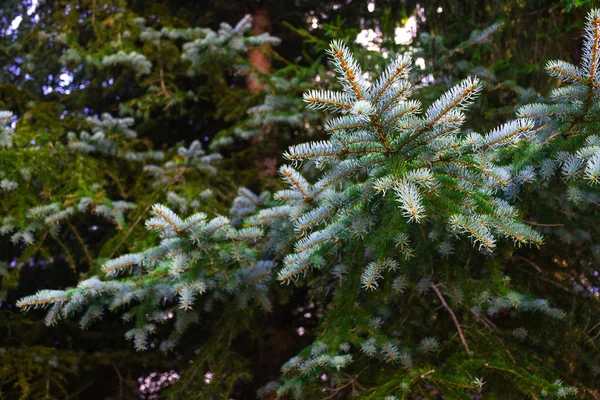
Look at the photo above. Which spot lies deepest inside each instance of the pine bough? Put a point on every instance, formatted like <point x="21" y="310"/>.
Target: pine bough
<point x="384" y="158"/>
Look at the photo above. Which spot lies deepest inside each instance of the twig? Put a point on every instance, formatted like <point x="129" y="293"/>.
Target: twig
<point x="543" y="278"/>
<point x="75" y="395"/>
<point x="593" y="327"/>
<point x="350" y="382"/>
<point x="90" y="260"/>
<point x="137" y="221"/>
<point x="120" y="380"/>
<point x="568" y="378"/>
<point x="538" y="224"/>
<point x="460" y="333"/>
<point x="514" y="373"/>
<point x="528" y="261"/>
<point x="413" y="380"/>
<point x="69" y="256"/>
<point x="590" y="200"/>
<point x="499" y="340"/>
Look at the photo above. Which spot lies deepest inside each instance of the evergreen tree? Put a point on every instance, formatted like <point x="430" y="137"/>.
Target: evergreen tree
<point x="401" y="226"/>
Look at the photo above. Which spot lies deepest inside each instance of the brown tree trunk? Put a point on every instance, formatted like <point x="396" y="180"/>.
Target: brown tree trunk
<point x="261" y="64"/>
<point x="261" y="23"/>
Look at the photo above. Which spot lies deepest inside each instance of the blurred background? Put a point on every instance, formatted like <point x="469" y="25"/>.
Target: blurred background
<point x="51" y="71"/>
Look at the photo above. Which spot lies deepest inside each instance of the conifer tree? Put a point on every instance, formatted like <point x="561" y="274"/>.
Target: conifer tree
<point x="396" y="224"/>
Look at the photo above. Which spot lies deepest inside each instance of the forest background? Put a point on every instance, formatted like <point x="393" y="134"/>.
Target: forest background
<point x="51" y="89"/>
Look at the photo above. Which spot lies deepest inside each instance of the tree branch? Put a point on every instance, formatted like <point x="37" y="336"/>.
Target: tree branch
<point x="447" y="307"/>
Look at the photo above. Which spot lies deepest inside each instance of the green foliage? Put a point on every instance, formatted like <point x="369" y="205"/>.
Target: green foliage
<point x="406" y="233"/>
